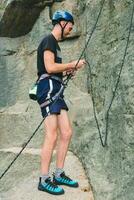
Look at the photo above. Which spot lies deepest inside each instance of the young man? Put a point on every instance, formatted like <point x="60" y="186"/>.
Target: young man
<point x="50" y="72"/>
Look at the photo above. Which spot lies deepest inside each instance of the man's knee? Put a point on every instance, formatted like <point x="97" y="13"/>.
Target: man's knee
<point x="66" y="134"/>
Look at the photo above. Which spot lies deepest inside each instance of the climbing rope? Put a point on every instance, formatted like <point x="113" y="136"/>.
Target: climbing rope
<point x="104" y="143"/>
<point x="65" y="82"/>
<point x="87" y="43"/>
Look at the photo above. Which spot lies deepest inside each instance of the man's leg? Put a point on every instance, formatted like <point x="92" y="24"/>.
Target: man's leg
<point x="64" y="140"/>
<point x="45" y="183"/>
<point x="65" y="135"/>
<point x="51" y="125"/>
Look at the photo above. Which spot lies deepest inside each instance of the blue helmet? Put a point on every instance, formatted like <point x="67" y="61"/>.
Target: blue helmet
<point x="62" y="15"/>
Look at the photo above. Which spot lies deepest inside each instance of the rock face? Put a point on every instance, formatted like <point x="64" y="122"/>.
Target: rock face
<point x="20" y="15"/>
<point x="110" y="169"/>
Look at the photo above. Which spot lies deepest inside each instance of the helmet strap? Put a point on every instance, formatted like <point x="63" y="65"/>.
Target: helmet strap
<point x="62" y="30"/>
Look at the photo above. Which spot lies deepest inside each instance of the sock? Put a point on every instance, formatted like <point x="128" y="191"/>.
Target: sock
<point x="44" y="177"/>
<point x="58" y="172"/>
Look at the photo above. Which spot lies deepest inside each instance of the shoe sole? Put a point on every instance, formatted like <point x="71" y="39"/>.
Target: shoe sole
<point x="44" y="190"/>
<point x="74" y="186"/>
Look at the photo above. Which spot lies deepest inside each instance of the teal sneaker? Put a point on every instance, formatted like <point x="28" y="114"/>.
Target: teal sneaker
<point x="65" y="180"/>
<point x="50" y="187"/>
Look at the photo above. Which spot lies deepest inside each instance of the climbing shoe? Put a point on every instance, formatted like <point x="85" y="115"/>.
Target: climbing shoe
<point x="50" y="187"/>
<point x="64" y="180"/>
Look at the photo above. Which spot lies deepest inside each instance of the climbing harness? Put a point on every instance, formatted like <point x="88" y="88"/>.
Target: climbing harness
<point x="65" y="81"/>
<point x="33" y="89"/>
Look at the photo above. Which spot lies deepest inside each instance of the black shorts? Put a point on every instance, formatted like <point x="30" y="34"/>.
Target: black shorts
<point x="46" y="89"/>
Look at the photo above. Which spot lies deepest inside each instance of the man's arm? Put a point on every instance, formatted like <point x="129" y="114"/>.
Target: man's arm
<point x="53" y="67"/>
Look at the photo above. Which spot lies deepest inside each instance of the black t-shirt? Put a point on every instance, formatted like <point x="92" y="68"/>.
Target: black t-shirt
<point x="48" y="43"/>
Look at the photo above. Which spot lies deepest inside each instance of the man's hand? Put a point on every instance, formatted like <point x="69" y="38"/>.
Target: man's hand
<point x="71" y="71"/>
<point x="77" y="65"/>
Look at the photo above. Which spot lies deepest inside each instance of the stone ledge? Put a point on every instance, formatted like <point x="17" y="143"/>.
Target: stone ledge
<point x="18" y="108"/>
<point x="24" y="180"/>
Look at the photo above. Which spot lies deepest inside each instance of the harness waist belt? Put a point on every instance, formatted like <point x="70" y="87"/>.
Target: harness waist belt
<point x="43" y="76"/>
